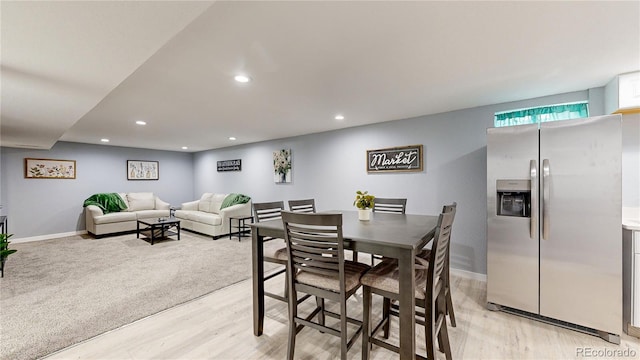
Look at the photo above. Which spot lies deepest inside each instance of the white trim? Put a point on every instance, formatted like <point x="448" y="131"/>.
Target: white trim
<point x="47" y="237"/>
<point x="468" y="274"/>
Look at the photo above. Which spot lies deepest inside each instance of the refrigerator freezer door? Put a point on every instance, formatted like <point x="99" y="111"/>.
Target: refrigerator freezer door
<point x="512" y="248"/>
<point x="581" y="258"/>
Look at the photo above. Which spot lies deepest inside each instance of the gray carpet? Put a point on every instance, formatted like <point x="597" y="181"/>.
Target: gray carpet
<point x="58" y="292"/>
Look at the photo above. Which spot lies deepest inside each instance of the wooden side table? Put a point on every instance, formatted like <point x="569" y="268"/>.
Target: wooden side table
<point x="242" y="225"/>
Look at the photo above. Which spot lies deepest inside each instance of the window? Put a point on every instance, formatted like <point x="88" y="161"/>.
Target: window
<point x="541" y="114"/>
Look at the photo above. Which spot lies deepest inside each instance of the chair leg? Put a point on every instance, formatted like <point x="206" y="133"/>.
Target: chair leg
<point x="452" y="315"/>
<point x="343" y="329"/>
<point x="445" y="340"/>
<point x="443" y="334"/>
<point x="366" y="322"/>
<point x="447" y="284"/>
<point x="429" y="330"/>
<point x="320" y="304"/>
<point x="293" y="312"/>
<point x="286" y="286"/>
<point x="386" y="310"/>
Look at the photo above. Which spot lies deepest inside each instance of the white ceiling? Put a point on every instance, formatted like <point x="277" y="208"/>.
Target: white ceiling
<point x="82" y="71"/>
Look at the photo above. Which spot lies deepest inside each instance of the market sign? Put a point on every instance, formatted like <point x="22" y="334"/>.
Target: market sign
<point x="230" y="165"/>
<point x="404" y="158"/>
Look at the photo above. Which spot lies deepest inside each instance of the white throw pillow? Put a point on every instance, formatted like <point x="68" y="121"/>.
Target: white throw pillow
<point x="216" y="201"/>
<point x="141" y="201"/>
<point x="205" y="202"/>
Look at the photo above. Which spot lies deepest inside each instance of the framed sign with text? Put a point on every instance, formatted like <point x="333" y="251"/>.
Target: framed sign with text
<point x="230" y="165"/>
<point x="403" y="158"/>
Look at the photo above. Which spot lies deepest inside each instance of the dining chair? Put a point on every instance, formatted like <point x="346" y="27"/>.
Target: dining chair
<point x="275" y="250"/>
<point x="429" y="293"/>
<point x="426" y="253"/>
<point x="390" y="206"/>
<point x="317" y="267"/>
<point x="303" y="206"/>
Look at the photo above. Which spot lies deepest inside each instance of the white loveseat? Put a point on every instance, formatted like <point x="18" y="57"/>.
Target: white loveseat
<point x="206" y="217"/>
<point x="140" y="205"/>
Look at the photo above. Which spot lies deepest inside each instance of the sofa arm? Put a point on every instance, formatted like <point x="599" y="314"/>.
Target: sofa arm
<point x="235" y="210"/>
<point x="94" y="211"/>
<point x="91" y="212"/>
<point x="191" y="205"/>
<point x="162" y="205"/>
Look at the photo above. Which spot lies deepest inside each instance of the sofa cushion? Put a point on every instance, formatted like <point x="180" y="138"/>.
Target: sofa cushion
<point x="151" y="214"/>
<point x="216" y="202"/>
<point x="205" y="218"/>
<point x="114" y="218"/>
<point x="199" y="216"/>
<point x="205" y="202"/>
<point x="141" y="201"/>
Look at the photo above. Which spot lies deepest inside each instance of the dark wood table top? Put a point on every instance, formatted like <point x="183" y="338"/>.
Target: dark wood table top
<point x="396" y="230"/>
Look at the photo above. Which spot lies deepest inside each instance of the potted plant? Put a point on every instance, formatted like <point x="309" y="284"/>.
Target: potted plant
<point x="364" y="203"/>
<point x="4" y="251"/>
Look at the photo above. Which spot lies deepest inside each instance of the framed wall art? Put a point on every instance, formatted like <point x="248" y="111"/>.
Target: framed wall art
<point x="142" y="170"/>
<point x="230" y="165"/>
<point x="403" y="158"/>
<point x="49" y="169"/>
<point x="282" y="166"/>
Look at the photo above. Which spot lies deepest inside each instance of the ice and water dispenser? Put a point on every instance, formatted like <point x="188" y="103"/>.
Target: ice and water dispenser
<point x="514" y="198"/>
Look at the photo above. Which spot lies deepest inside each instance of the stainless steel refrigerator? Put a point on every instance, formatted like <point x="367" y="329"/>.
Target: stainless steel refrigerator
<point x="554" y="223"/>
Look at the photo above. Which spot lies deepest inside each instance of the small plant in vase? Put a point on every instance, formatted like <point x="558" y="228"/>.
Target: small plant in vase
<point x="4" y="251"/>
<point x="364" y="203"/>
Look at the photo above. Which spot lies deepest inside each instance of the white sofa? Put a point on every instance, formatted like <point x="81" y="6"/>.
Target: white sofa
<point x="140" y="205"/>
<point x="205" y="216"/>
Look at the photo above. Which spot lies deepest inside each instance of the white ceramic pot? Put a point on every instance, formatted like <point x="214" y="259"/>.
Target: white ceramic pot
<point x="364" y="214"/>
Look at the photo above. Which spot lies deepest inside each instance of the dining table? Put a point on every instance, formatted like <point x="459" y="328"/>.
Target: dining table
<point x="398" y="236"/>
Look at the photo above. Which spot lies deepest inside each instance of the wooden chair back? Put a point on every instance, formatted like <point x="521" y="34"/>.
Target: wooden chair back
<point x="302" y="206"/>
<point x="268" y="211"/>
<point x="390" y="205"/>
<point x="315" y="244"/>
<point x="438" y="259"/>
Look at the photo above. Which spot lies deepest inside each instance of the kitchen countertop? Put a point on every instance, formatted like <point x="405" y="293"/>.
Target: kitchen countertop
<point x="631" y="218"/>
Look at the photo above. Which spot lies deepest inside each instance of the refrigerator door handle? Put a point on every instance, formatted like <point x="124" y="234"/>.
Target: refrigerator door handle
<point x="533" y="171"/>
<point x="545" y="199"/>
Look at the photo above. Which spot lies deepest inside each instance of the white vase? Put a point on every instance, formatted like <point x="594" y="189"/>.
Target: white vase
<point x="364" y="214"/>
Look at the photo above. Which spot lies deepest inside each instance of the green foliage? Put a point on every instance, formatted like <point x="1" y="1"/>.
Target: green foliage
<point x="4" y="246"/>
<point x="363" y="200"/>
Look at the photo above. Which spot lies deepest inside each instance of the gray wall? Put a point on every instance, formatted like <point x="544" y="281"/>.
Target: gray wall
<point x="329" y="167"/>
<point x="50" y="206"/>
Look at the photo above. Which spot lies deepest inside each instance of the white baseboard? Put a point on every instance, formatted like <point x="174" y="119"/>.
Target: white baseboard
<point x="47" y="237"/>
<point x="468" y="274"/>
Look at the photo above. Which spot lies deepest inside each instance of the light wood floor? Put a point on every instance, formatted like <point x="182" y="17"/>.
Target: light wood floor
<point x="219" y="326"/>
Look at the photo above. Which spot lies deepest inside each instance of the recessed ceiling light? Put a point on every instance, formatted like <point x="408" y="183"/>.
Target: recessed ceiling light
<point x="184" y="148"/>
<point x="339" y="117"/>
<point x="231" y="138"/>
<point x="104" y="140"/>
<point x="242" y="78"/>
<point x="140" y="122"/>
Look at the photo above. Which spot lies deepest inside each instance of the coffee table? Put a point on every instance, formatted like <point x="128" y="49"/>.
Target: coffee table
<point x="158" y="228"/>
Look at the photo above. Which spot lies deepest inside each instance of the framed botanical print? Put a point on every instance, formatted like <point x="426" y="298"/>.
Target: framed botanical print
<point x="142" y="170"/>
<point x="49" y="169"/>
